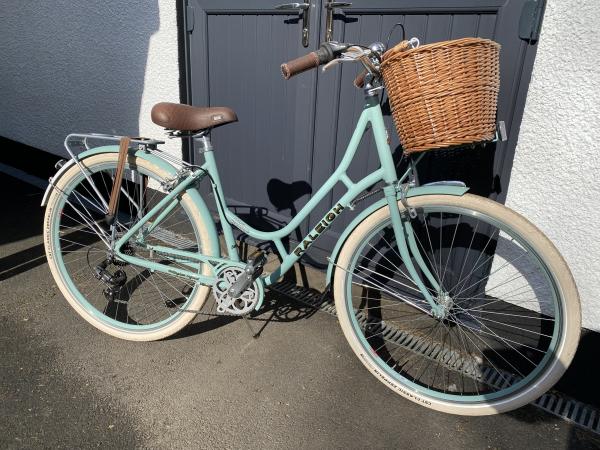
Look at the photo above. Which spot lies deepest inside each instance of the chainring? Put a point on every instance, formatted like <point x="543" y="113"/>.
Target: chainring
<point x="226" y="304"/>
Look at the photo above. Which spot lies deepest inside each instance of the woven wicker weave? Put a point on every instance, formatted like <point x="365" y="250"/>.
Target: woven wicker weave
<point x="443" y="94"/>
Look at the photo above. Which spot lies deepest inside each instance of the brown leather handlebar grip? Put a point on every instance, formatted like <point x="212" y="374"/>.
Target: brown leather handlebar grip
<point x="359" y="81"/>
<point x="299" y="65"/>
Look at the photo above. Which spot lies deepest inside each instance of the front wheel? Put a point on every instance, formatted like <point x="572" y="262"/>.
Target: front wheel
<point x="511" y="318"/>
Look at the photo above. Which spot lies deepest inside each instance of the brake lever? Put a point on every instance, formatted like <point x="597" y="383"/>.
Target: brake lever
<point x="351" y="54"/>
<point x="356" y="52"/>
<point x="334" y="62"/>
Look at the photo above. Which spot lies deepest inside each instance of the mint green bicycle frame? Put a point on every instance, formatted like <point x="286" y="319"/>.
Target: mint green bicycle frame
<point x="372" y="116"/>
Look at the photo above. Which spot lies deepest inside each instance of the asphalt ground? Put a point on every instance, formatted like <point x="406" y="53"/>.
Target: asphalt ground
<point x="63" y="384"/>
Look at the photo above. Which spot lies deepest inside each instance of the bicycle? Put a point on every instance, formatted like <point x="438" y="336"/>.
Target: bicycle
<point x="453" y="301"/>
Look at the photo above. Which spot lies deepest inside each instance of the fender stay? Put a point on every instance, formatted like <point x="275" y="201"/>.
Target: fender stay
<point x="95" y="151"/>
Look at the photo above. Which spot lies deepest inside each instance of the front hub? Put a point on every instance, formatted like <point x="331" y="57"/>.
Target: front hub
<point x="445" y="304"/>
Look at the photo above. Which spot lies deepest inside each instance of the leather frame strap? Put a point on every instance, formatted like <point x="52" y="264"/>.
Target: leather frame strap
<point x="113" y="203"/>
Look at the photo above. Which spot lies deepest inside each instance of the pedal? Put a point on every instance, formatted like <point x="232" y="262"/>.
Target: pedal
<point x="252" y="271"/>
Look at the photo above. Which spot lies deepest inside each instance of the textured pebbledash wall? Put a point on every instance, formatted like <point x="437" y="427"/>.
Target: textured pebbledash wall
<point x="76" y="65"/>
<point x="555" y="180"/>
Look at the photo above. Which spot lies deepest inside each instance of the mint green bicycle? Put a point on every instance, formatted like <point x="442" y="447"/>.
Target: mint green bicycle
<point x="451" y="300"/>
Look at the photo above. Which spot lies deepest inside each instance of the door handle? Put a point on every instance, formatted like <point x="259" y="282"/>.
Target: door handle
<point x="304" y="10"/>
<point x="296" y="6"/>
<point x="330" y="6"/>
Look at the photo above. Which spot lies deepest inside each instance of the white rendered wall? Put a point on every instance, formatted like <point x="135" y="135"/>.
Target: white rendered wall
<point x="85" y="66"/>
<point x="555" y="180"/>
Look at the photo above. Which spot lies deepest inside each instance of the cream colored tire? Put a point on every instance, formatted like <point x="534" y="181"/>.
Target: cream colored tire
<point x="543" y="247"/>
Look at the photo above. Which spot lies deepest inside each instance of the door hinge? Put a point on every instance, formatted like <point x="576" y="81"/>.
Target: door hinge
<point x="530" y="23"/>
<point x="189" y="19"/>
<point x="501" y="134"/>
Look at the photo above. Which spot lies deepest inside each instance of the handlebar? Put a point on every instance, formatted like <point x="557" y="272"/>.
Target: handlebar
<point x="299" y="65"/>
<point x="327" y="52"/>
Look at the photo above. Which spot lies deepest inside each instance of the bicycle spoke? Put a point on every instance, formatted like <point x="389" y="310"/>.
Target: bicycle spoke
<point x="451" y="247"/>
<point x="145" y="297"/>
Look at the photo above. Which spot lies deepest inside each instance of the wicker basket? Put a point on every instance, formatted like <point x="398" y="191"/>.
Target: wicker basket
<point x="443" y="94"/>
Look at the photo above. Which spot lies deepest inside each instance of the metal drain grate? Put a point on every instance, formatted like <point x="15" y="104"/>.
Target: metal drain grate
<point x="553" y="402"/>
<point x="571" y="410"/>
<point x="306" y="296"/>
<point x="434" y="351"/>
<point x="451" y="359"/>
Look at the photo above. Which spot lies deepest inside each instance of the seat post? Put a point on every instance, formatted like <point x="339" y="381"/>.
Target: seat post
<point x="200" y="144"/>
<point x="203" y="141"/>
<point x="203" y="146"/>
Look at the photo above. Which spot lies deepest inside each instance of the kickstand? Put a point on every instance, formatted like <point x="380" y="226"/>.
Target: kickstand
<point x="252" y="332"/>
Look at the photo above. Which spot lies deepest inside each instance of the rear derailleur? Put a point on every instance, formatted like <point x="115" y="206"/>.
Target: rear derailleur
<point x="113" y="281"/>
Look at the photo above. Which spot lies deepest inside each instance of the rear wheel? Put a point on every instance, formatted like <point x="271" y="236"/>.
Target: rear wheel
<point x="512" y="315"/>
<point x="139" y="304"/>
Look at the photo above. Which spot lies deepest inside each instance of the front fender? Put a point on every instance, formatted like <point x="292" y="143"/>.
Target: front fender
<point x="164" y="165"/>
<point x="439" y="188"/>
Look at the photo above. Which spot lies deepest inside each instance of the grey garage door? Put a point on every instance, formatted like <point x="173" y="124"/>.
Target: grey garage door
<point x="292" y="133"/>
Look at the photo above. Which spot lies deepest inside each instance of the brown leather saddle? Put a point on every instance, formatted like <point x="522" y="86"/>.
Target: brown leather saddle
<point x="174" y="116"/>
